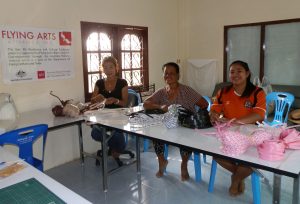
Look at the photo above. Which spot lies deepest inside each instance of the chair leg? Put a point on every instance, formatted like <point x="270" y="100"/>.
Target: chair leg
<point x="254" y="181"/>
<point x="166" y="154"/>
<point x="255" y="188"/>
<point x="146" y="145"/>
<point x="197" y="166"/>
<point x="213" y="171"/>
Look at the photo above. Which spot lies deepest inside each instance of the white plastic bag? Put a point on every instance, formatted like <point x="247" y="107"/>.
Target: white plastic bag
<point x="8" y="113"/>
<point x="170" y="119"/>
<point x="264" y="84"/>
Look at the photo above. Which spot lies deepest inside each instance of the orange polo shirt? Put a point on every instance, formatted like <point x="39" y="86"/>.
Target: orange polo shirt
<point x="235" y="106"/>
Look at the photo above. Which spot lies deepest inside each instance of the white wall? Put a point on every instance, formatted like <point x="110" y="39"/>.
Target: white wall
<point x="178" y="29"/>
<point x="205" y="21"/>
<point x="159" y="16"/>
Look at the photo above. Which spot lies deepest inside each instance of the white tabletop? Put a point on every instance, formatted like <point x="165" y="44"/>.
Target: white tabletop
<point x="45" y="116"/>
<point x="30" y="172"/>
<point x="196" y="139"/>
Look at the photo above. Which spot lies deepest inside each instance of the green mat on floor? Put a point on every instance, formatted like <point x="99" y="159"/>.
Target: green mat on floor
<point x="28" y="191"/>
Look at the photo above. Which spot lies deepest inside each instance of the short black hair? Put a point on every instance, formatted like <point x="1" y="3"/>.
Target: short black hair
<point x="171" y="64"/>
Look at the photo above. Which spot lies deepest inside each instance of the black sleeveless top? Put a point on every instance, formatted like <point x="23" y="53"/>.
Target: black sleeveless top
<point x="116" y="92"/>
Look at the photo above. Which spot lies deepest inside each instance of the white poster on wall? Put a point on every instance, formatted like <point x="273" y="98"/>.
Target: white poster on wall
<point x="29" y="54"/>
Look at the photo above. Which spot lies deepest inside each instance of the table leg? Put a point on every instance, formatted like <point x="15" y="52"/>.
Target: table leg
<point x="138" y="156"/>
<point x="104" y="159"/>
<point x="296" y="191"/>
<point x="138" y="167"/>
<point x="276" y="188"/>
<point x="80" y="142"/>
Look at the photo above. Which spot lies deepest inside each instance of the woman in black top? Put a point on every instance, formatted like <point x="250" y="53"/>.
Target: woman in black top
<point x="113" y="89"/>
<point x="115" y="93"/>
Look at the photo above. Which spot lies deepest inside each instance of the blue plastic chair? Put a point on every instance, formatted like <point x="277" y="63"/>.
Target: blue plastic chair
<point x="196" y="155"/>
<point x="24" y="139"/>
<point x="207" y="98"/>
<point x="282" y="102"/>
<point x="134" y="99"/>
<point x="254" y="181"/>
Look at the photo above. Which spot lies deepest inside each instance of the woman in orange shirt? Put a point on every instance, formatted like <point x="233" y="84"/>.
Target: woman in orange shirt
<point x="245" y="103"/>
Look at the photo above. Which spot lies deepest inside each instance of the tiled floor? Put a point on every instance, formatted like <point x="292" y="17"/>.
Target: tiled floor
<point x="123" y="186"/>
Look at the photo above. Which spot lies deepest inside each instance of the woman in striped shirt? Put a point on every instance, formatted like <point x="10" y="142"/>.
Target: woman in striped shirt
<point x="173" y="93"/>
